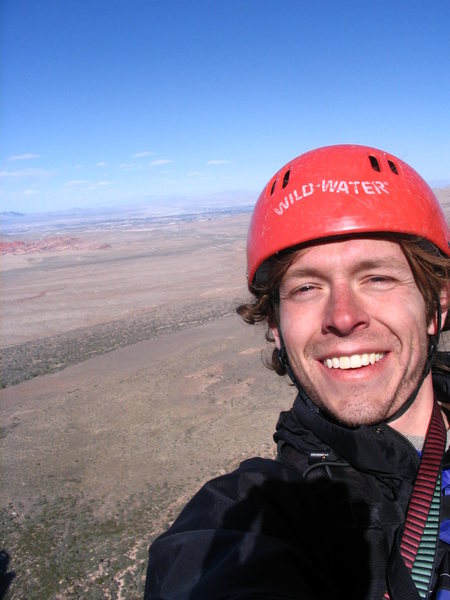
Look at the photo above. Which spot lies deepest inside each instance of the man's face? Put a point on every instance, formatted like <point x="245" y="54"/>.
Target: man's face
<point x="353" y="323"/>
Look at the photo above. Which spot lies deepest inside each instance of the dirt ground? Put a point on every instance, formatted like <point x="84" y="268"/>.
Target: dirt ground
<point x="128" y="382"/>
<point x="100" y="456"/>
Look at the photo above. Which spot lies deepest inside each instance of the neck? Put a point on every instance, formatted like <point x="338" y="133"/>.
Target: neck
<point x="416" y="419"/>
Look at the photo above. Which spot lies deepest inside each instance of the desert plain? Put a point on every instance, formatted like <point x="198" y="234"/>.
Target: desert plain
<point x="128" y="381"/>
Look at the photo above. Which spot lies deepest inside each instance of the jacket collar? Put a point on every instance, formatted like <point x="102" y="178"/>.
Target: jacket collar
<point x="377" y="449"/>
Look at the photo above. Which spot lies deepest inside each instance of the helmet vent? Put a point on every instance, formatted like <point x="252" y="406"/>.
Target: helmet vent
<point x="374" y="163"/>
<point x="286" y="178"/>
<point x="272" y="189"/>
<point x="392" y="167"/>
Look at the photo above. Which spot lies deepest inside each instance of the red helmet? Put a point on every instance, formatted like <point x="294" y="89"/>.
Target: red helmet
<point x="340" y="190"/>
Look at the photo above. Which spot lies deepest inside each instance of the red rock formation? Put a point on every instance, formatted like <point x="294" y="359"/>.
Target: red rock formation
<point x="49" y="244"/>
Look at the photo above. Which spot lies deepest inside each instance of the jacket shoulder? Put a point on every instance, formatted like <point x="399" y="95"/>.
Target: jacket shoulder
<point x="260" y="531"/>
<point x="209" y="505"/>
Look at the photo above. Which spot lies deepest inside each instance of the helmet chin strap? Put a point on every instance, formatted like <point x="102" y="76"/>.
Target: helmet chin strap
<point x="432" y="347"/>
<point x="284" y="362"/>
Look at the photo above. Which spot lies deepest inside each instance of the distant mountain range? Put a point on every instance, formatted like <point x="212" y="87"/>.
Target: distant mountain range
<point x="155" y="205"/>
<point x="149" y="210"/>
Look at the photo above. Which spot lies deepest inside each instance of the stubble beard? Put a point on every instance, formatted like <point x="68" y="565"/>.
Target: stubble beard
<point x="365" y="410"/>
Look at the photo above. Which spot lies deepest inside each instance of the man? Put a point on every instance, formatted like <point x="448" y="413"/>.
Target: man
<point x="348" y="264"/>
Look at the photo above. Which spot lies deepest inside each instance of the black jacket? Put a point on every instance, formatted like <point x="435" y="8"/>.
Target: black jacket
<point x="299" y="527"/>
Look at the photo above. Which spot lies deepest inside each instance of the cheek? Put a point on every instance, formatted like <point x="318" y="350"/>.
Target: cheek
<point x="296" y="334"/>
<point x="409" y="330"/>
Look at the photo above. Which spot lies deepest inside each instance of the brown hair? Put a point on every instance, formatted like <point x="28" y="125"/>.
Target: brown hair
<point x="431" y="271"/>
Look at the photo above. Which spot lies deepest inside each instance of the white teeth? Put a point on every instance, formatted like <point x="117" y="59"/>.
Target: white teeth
<point x="355" y="361"/>
<point x="344" y="362"/>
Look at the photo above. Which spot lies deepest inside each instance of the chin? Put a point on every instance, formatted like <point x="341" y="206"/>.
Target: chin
<point x="358" y="415"/>
<point x="356" y="421"/>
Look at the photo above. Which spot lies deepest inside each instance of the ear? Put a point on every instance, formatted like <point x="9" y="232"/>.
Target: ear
<point x="276" y="335"/>
<point x="444" y="299"/>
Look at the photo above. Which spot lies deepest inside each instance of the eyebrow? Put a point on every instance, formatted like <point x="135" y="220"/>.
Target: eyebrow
<point x="377" y="263"/>
<point x="363" y="265"/>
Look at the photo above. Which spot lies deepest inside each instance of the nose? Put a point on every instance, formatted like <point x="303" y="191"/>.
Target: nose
<point x="344" y="312"/>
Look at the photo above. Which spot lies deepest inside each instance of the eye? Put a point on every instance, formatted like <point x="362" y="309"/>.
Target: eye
<point x="301" y="290"/>
<point x="380" y="281"/>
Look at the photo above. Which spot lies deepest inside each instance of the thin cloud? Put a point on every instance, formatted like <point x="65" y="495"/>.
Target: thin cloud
<point x="92" y="184"/>
<point x="161" y="161"/>
<point x="218" y="162"/>
<point x="28" y="156"/>
<point x="77" y="182"/>
<point x="130" y="166"/>
<point x="98" y="184"/>
<point x="143" y="154"/>
<point x="101" y="164"/>
<point x="24" y="173"/>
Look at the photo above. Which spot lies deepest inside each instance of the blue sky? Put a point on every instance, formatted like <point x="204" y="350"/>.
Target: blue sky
<point x="109" y="102"/>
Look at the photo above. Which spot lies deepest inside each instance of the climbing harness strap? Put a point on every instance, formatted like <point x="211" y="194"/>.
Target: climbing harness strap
<point x="420" y="534"/>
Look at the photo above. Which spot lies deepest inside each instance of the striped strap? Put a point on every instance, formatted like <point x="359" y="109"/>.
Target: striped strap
<point x="422" y="568"/>
<point x="421" y="524"/>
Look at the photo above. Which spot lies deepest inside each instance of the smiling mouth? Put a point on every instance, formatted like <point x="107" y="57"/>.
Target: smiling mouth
<point x="355" y="361"/>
